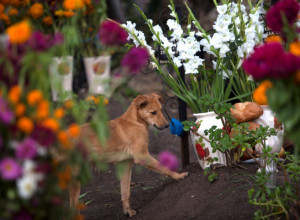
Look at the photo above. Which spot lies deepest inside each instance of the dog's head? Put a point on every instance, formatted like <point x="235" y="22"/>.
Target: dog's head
<point x="150" y="110"/>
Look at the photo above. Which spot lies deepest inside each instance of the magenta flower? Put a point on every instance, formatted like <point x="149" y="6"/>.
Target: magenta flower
<point x="169" y="160"/>
<point x="26" y="149"/>
<point x="271" y="61"/>
<point x="6" y="116"/>
<point x="111" y="34"/>
<point x="41" y="42"/>
<point x="289" y="8"/>
<point x="10" y="169"/>
<point x="23" y="215"/>
<point x="135" y="59"/>
<point x="44" y="136"/>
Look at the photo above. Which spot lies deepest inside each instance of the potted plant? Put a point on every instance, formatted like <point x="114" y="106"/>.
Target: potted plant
<point x="230" y="43"/>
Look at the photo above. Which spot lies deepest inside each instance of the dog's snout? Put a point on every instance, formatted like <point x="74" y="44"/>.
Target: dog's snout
<point x="166" y="125"/>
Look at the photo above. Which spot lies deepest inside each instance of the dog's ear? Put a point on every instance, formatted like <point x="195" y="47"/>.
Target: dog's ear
<point x="158" y="97"/>
<point x="141" y="101"/>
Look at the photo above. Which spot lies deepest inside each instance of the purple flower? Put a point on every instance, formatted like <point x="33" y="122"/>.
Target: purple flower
<point x="41" y="42"/>
<point x="289" y="8"/>
<point x="10" y="169"/>
<point x="44" y="136"/>
<point x="26" y="149"/>
<point x="169" y="160"/>
<point x="271" y="61"/>
<point x="111" y="34"/>
<point x="6" y="116"/>
<point x="135" y="59"/>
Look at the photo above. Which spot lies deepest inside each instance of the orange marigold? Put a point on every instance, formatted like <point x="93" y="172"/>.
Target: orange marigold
<point x="48" y="20"/>
<point x="25" y="124"/>
<point x="273" y="39"/>
<point x="1" y="8"/>
<point x="13" y="12"/>
<point x="87" y="2"/>
<point x="59" y="113"/>
<point x="14" y="94"/>
<point x="20" y="109"/>
<point x="4" y="17"/>
<point x="74" y="130"/>
<point x="295" y="48"/>
<point x="34" y="97"/>
<point x="19" y="32"/>
<point x="36" y="10"/>
<point x="64" y="139"/>
<point x="64" y="178"/>
<point x="51" y="124"/>
<point x="42" y="109"/>
<point x="69" y="13"/>
<point x="68" y="104"/>
<point x="73" y="4"/>
<point x="260" y="93"/>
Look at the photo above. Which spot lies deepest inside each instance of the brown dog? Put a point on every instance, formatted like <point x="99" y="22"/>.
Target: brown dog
<point x="128" y="142"/>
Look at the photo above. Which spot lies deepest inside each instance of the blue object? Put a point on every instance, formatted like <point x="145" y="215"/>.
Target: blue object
<point x="176" y="127"/>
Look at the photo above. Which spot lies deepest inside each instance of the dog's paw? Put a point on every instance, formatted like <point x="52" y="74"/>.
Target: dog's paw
<point x="129" y="212"/>
<point x="180" y="176"/>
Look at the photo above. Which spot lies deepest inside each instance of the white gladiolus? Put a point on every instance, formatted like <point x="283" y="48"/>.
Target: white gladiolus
<point x="221" y="9"/>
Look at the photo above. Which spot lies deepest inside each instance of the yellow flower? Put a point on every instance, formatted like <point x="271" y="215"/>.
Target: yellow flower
<point x="73" y="4"/>
<point x="273" y="39"/>
<point x="48" y="20"/>
<point x="14" y="94"/>
<point x="34" y="97"/>
<point x="295" y="48"/>
<point x="74" y="130"/>
<point x="51" y="123"/>
<point x="59" y="13"/>
<point x="36" y="10"/>
<point x="25" y="124"/>
<point x="59" y="113"/>
<point x="20" y="109"/>
<point x="260" y="93"/>
<point x="13" y="12"/>
<point x="19" y="32"/>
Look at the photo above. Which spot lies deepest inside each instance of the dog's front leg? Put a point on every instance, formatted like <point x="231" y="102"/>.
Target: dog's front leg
<point x="125" y="187"/>
<point x="151" y="163"/>
<point x="74" y="192"/>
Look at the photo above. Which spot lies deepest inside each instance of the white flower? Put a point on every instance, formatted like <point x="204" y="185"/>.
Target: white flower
<point x="177" y="62"/>
<point x="27" y="186"/>
<point x="176" y="28"/>
<point x="223" y="50"/>
<point x="192" y="65"/>
<point x="158" y="31"/>
<point x="222" y="9"/>
<point x="216" y="41"/>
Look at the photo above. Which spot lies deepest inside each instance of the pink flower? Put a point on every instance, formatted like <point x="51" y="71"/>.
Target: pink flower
<point x="26" y="149"/>
<point x="10" y="169"/>
<point x="135" y="59"/>
<point x="111" y="34"/>
<point x="41" y="42"/>
<point x="289" y="8"/>
<point x="169" y="160"/>
<point x="271" y="61"/>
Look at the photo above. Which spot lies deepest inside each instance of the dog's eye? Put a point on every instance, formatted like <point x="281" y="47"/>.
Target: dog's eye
<point x="153" y="113"/>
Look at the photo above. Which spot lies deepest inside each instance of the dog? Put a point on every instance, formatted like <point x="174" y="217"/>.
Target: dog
<point x="128" y="143"/>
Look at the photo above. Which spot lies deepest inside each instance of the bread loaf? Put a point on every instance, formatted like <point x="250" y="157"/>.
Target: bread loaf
<point x="246" y="111"/>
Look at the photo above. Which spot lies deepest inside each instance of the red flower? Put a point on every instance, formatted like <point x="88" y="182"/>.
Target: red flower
<point x="111" y="34"/>
<point x="271" y="61"/>
<point x="200" y="151"/>
<point x="289" y="8"/>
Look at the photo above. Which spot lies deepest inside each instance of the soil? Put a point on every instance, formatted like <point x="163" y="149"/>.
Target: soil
<point x="154" y="196"/>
